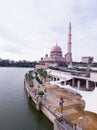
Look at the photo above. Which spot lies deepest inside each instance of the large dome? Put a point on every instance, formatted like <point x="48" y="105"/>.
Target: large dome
<point x="56" y="48"/>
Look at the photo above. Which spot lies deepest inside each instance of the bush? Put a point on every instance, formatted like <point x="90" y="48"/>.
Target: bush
<point x="30" y="75"/>
<point x="42" y="73"/>
<point x="80" y="69"/>
<point x="39" y="81"/>
<point x="41" y="93"/>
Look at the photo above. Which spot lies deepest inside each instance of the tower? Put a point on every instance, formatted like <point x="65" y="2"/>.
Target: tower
<point x="69" y="39"/>
<point x="69" y="54"/>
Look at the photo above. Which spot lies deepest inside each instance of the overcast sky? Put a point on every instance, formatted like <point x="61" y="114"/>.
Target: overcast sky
<point x="30" y="28"/>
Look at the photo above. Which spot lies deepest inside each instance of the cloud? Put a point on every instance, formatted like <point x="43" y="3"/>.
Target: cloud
<point x="29" y="28"/>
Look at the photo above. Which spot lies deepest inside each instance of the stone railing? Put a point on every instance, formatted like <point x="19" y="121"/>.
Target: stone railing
<point x="52" y="110"/>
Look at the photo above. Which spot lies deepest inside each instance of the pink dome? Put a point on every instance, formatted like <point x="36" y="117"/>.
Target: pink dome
<point x="56" y="48"/>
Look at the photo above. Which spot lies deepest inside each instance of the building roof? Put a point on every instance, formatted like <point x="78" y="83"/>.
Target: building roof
<point x="56" y="48"/>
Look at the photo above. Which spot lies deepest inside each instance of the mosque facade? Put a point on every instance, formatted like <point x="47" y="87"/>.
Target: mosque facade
<point x="56" y="57"/>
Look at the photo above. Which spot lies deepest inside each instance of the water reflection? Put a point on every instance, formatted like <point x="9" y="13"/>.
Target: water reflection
<point x="42" y="122"/>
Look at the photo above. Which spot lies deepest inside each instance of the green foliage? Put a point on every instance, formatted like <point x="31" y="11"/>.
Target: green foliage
<point x="80" y="69"/>
<point x="41" y="93"/>
<point x="30" y="75"/>
<point x="12" y="63"/>
<point x="39" y="81"/>
<point x="42" y="73"/>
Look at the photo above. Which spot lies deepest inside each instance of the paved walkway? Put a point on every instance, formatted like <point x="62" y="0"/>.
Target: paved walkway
<point x="72" y="107"/>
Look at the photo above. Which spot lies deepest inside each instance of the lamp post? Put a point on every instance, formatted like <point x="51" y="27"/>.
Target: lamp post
<point x="61" y="104"/>
<point x="81" y="122"/>
<point x="45" y="91"/>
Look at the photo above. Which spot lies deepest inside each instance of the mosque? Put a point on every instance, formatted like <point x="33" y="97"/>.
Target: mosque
<point x="56" y="58"/>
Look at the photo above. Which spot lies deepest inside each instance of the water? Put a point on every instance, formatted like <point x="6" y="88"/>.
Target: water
<point x="17" y="112"/>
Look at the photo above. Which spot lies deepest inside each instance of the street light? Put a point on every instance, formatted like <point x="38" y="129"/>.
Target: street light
<point x="61" y="104"/>
<point x="81" y="122"/>
<point x="45" y="91"/>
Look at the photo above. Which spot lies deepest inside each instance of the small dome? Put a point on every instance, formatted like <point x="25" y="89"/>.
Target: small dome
<point x="56" y="48"/>
<point x="46" y="55"/>
<point x="41" y="58"/>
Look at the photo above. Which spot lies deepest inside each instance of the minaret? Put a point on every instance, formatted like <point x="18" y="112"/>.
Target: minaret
<point x="69" y="39"/>
<point x="69" y="54"/>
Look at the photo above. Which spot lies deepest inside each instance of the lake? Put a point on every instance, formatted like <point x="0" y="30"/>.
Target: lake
<point x="17" y="112"/>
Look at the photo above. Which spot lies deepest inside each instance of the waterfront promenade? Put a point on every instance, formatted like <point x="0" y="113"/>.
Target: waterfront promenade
<point x="72" y="110"/>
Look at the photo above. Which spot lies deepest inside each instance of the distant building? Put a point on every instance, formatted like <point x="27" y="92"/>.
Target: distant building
<point x="56" y="57"/>
<point x="87" y="59"/>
